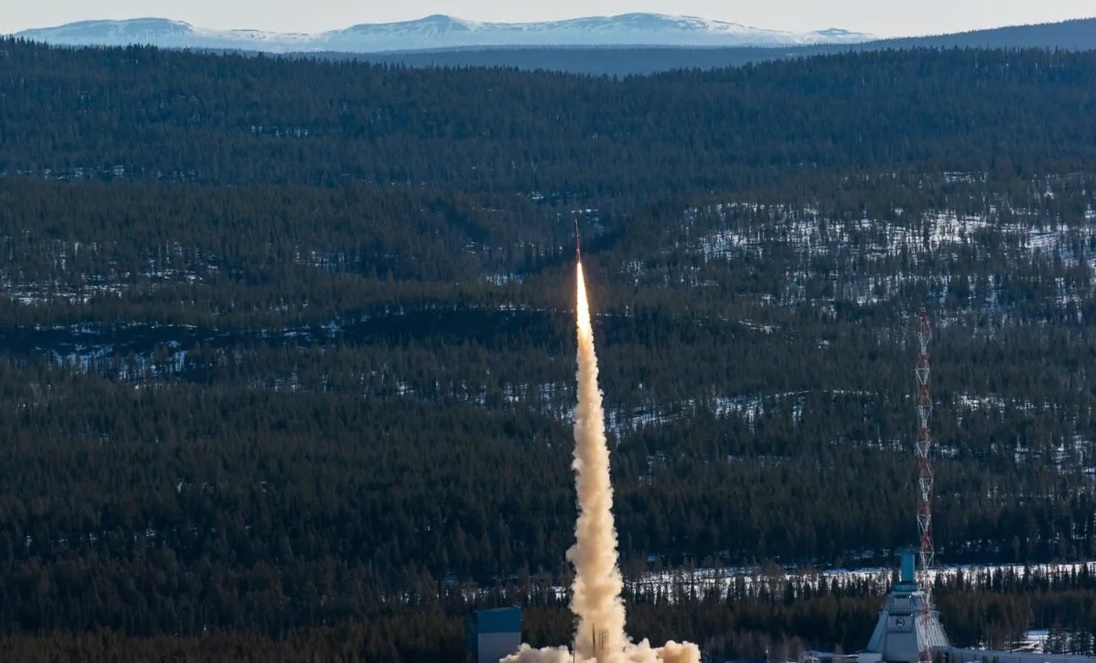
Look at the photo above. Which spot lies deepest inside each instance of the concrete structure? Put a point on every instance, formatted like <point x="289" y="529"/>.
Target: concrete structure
<point x="494" y="634"/>
<point x="905" y="628"/>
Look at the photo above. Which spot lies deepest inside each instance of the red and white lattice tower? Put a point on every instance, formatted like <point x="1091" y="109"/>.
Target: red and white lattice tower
<point x="924" y="479"/>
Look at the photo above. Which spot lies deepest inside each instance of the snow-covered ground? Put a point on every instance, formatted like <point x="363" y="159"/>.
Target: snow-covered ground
<point x="753" y="580"/>
<point x="810" y="233"/>
<point x="875" y="258"/>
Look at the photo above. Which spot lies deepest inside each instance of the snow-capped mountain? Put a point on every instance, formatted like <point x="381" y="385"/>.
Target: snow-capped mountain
<point x="439" y="32"/>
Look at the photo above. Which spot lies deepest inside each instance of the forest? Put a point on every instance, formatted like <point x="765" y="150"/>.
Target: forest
<point x="287" y="350"/>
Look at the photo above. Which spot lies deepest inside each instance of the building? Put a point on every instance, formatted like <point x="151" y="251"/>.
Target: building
<point x="494" y="634"/>
<point x="904" y="629"/>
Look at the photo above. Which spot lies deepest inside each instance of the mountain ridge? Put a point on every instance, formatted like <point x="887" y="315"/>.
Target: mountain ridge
<point x="440" y="31"/>
<point x="1071" y="35"/>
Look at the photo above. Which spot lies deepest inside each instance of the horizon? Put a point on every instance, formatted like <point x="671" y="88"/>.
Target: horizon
<point x="779" y="15"/>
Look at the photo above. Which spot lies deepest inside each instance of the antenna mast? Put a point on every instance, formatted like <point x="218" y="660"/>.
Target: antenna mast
<point x="924" y="479"/>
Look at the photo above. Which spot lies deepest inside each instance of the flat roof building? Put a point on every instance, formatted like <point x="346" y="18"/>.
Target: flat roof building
<point x="494" y="634"/>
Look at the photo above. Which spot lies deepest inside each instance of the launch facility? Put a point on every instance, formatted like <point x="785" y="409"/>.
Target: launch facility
<point x="908" y="629"/>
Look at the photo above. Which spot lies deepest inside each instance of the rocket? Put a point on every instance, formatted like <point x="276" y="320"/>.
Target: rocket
<point x="578" y="243"/>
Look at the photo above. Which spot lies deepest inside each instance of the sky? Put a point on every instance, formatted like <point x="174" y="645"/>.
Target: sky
<point x="884" y="18"/>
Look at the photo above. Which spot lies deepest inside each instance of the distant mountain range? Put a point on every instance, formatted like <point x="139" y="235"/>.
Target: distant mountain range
<point x="1075" y="35"/>
<point x="613" y="45"/>
<point x="441" y="32"/>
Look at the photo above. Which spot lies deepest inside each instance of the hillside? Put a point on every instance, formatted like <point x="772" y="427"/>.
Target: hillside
<point x="296" y="371"/>
<point x="1075" y="35"/>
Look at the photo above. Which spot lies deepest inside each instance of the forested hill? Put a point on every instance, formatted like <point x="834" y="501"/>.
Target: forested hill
<point x="1077" y="34"/>
<point x="286" y="346"/>
<point x="143" y="114"/>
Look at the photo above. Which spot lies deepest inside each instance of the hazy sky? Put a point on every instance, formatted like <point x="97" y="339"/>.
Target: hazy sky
<point x="880" y="17"/>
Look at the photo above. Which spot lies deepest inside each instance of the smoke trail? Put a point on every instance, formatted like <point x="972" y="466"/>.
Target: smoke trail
<point x="596" y="588"/>
<point x="596" y="602"/>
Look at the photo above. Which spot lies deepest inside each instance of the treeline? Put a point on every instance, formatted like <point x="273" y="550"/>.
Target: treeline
<point x="155" y="115"/>
<point x="164" y="509"/>
<point x="992" y="611"/>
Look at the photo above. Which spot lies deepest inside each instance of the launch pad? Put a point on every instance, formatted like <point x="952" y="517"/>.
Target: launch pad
<point x="908" y="625"/>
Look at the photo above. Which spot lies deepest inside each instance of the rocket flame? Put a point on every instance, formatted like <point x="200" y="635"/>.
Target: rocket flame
<point x="596" y="602"/>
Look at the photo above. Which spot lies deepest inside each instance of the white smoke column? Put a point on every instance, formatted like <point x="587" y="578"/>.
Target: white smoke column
<point x="596" y="589"/>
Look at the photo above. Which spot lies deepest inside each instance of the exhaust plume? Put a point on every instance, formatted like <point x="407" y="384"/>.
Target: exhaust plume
<point x="595" y="598"/>
<point x="595" y="592"/>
